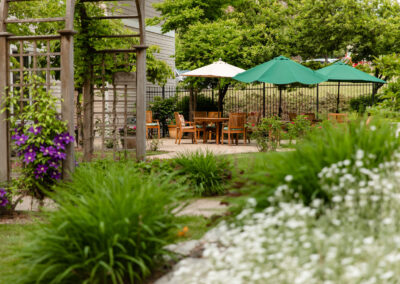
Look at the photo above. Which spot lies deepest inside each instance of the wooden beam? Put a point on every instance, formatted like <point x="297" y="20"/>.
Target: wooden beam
<point x="113" y="17"/>
<point x="40" y="20"/>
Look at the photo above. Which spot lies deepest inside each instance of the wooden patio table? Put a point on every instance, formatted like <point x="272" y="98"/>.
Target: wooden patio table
<point x="207" y="120"/>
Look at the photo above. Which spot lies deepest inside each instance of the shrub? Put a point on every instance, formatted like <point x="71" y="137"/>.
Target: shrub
<point x="111" y="227"/>
<point x="203" y="103"/>
<point x="163" y="109"/>
<point x="267" y="134"/>
<point x="355" y="240"/>
<point x="322" y="147"/>
<point x="361" y="104"/>
<point x="299" y="127"/>
<point x="204" y="171"/>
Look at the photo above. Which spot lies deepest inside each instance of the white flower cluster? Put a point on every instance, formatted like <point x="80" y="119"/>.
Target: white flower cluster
<point x="356" y="240"/>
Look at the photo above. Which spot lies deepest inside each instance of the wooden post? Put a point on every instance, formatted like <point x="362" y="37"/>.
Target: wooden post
<point x="141" y="85"/>
<point x="141" y="105"/>
<point x="67" y="93"/>
<point x="4" y="134"/>
<point x="87" y="120"/>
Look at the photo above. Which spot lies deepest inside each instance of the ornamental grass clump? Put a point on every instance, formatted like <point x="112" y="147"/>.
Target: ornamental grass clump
<point x="353" y="240"/>
<point x="206" y="173"/>
<point x="110" y="227"/>
<point x="322" y="147"/>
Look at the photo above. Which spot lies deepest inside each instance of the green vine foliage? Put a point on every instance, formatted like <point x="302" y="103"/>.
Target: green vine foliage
<point x="38" y="136"/>
<point x="268" y="134"/>
<point x="299" y="127"/>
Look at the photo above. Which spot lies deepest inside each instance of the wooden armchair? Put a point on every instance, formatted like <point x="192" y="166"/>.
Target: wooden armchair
<point x="212" y="127"/>
<point x="184" y="127"/>
<point x="236" y="125"/>
<point x="337" y="117"/>
<point x="199" y="128"/>
<point x="151" y="123"/>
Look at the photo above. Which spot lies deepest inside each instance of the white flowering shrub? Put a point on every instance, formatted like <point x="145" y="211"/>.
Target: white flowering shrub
<point x="323" y="148"/>
<point x="353" y="239"/>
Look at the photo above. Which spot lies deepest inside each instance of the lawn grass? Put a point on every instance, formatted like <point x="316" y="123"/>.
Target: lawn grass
<point x="12" y="238"/>
<point x="197" y="227"/>
<point x="108" y="155"/>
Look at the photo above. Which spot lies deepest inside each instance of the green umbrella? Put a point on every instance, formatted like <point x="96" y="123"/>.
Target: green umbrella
<point x="280" y="71"/>
<point x="342" y="72"/>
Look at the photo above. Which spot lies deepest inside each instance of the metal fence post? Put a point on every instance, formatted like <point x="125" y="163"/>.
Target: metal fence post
<point x="263" y="99"/>
<point x="317" y="100"/>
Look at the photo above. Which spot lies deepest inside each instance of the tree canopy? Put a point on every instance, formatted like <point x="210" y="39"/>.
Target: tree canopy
<point x="157" y="70"/>
<point x="249" y="32"/>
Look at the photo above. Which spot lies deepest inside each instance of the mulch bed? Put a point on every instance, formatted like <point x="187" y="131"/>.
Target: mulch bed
<point x="18" y="217"/>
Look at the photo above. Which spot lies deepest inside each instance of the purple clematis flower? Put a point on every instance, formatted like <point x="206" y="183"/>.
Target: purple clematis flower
<point x="3" y="198"/>
<point x="31" y="149"/>
<point x="54" y="164"/>
<point x="41" y="169"/>
<point x="68" y="138"/>
<point x="29" y="157"/>
<point x="59" y="143"/>
<point x="47" y="151"/>
<point x="20" y="139"/>
<point x="35" y="130"/>
<point x="55" y="175"/>
<point x="3" y="202"/>
<point x="60" y="155"/>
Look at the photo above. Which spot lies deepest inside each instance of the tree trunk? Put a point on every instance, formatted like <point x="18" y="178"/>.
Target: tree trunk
<point x="221" y="96"/>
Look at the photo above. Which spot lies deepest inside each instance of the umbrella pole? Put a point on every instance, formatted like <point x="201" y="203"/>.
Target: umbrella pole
<point x="219" y="96"/>
<point x="338" y="98"/>
<point x="280" y="102"/>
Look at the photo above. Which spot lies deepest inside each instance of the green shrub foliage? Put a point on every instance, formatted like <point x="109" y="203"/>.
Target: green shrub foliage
<point x="360" y="104"/>
<point x="203" y="103"/>
<point x="319" y="149"/>
<point x="111" y="227"/>
<point x="205" y="172"/>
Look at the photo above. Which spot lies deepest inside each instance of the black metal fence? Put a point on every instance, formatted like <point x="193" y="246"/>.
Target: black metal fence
<point x="264" y="98"/>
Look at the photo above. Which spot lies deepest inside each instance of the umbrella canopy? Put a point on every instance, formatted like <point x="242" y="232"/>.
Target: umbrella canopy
<point x="219" y="69"/>
<point x="341" y="72"/>
<point x="281" y="71"/>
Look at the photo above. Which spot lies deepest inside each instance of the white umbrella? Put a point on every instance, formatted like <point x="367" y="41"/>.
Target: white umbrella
<point x="219" y="69"/>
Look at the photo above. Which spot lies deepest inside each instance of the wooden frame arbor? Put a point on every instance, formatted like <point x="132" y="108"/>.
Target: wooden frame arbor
<point x="139" y="84"/>
<point x="66" y="69"/>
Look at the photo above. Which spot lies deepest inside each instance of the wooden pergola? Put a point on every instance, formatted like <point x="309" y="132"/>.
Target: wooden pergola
<point x="66" y="69"/>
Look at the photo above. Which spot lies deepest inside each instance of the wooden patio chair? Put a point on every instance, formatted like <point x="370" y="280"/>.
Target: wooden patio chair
<point x="184" y="127"/>
<point x="253" y="119"/>
<point x="337" y="117"/>
<point x="236" y="125"/>
<point x="212" y="128"/>
<point x="199" y="127"/>
<point x="151" y="123"/>
<point x="292" y="116"/>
